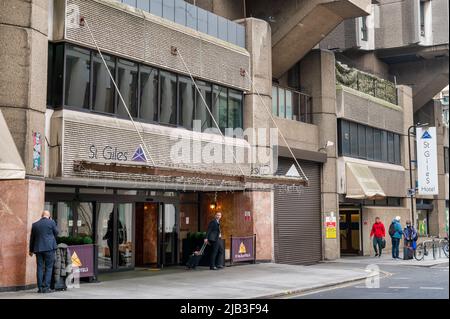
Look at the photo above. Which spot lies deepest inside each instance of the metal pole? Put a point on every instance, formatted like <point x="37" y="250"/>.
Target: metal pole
<point x="411" y="175"/>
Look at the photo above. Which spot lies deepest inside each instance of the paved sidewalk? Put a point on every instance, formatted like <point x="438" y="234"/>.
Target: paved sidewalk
<point x="245" y="281"/>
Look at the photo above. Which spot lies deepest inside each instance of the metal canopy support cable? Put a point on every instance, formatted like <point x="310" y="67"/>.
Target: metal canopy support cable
<point x="273" y="120"/>
<point x="177" y="52"/>
<point x="83" y="20"/>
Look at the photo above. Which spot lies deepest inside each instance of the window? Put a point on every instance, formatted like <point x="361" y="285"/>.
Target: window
<point x="354" y="139"/>
<point x="220" y="106"/>
<point x="281" y="101"/>
<point x="422" y="18"/>
<point x="103" y="86"/>
<point x="78" y="65"/>
<point x="361" y="141"/>
<point x="274" y="100"/>
<point x="234" y="109"/>
<point x="148" y="108"/>
<point x="127" y="83"/>
<point x="364" y="30"/>
<point x="288" y="105"/>
<point x="446" y="160"/>
<point x="186" y="101"/>
<point x="391" y="153"/>
<point x="369" y="143"/>
<point x="168" y="109"/>
<point x="201" y="112"/>
<point x="150" y="94"/>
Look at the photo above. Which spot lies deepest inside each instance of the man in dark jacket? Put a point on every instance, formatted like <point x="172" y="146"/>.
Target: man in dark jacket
<point x="43" y="244"/>
<point x="213" y="237"/>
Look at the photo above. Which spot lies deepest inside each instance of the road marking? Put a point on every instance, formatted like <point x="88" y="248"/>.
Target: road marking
<point x="398" y="287"/>
<point x="434" y="288"/>
<point x="401" y="278"/>
<point x="360" y="287"/>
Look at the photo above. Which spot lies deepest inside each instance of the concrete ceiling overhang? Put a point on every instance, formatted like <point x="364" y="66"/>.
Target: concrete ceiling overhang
<point x="308" y="26"/>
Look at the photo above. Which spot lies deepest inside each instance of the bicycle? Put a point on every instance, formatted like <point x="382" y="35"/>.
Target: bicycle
<point x="443" y="243"/>
<point x="422" y="250"/>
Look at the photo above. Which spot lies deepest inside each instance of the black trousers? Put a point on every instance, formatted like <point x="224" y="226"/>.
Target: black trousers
<point x="44" y="271"/>
<point x="216" y="253"/>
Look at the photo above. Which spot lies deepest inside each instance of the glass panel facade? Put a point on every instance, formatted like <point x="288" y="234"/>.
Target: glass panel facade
<point x="105" y="235"/>
<point x="127" y="83"/>
<point x="281" y="103"/>
<point x="220" y="106"/>
<point x="103" y="87"/>
<point x="191" y="16"/>
<point x="64" y="219"/>
<point x="144" y="5"/>
<point x="85" y="214"/>
<point x="78" y="65"/>
<point x="288" y="105"/>
<point x="368" y="143"/>
<point x="232" y="30"/>
<point x="148" y="108"/>
<point x="168" y="109"/>
<point x="156" y="7"/>
<point x="180" y="12"/>
<point x="212" y="24"/>
<point x="169" y="9"/>
<point x="125" y="234"/>
<point x="222" y="28"/>
<point x="202" y="20"/>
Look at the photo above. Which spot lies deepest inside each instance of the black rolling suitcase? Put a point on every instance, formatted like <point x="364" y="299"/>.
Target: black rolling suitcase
<point x="408" y="253"/>
<point x="194" y="259"/>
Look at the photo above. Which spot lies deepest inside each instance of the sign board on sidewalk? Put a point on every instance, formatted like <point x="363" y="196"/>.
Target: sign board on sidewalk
<point x="242" y="249"/>
<point x="82" y="257"/>
<point x="427" y="174"/>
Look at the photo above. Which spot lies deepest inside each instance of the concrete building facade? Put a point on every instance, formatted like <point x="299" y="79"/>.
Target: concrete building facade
<point x="256" y="66"/>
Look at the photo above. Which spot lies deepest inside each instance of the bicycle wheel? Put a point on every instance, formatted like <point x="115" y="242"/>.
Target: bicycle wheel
<point x="445" y="247"/>
<point x="419" y="253"/>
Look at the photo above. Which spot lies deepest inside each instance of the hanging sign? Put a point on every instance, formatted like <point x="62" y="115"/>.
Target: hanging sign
<point x="427" y="174"/>
<point x="330" y="227"/>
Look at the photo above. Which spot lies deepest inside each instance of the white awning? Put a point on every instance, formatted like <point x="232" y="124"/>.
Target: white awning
<point x="11" y="165"/>
<point x="361" y="183"/>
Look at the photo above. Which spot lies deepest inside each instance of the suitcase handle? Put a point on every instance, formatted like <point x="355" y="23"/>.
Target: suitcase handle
<point x="202" y="249"/>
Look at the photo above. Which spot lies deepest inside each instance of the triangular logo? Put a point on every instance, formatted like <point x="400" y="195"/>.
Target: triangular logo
<point x="76" y="262"/>
<point x="139" y="155"/>
<point x="426" y="135"/>
<point x="293" y="171"/>
<point x="242" y="249"/>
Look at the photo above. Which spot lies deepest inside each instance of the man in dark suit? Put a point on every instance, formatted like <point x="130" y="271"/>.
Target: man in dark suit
<point x="213" y="237"/>
<point x="43" y="244"/>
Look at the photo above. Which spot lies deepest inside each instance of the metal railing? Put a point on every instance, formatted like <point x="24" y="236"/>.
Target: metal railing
<point x="188" y="15"/>
<point x="291" y="104"/>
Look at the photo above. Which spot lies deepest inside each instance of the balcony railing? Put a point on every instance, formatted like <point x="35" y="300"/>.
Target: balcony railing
<point x="366" y="83"/>
<point x="290" y="104"/>
<point x="193" y="17"/>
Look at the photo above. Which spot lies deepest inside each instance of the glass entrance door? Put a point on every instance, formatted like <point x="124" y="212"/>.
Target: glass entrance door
<point x="349" y="229"/>
<point x="115" y="236"/>
<point x="168" y="234"/>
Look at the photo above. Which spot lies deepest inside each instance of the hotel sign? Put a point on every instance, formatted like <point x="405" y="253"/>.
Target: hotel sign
<point x="114" y="154"/>
<point x="427" y="171"/>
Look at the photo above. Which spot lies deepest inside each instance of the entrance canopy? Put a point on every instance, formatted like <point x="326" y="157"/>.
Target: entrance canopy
<point x="11" y="165"/>
<point x="361" y="183"/>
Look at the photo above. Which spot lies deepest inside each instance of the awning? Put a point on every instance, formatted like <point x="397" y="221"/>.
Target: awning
<point x="11" y="165"/>
<point x="361" y="183"/>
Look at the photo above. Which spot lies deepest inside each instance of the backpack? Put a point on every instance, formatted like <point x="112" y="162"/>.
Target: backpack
<point x="392" y="229"/>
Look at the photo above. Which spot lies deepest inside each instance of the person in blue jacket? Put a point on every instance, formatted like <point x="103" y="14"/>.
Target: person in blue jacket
<point x="396" y="233"/>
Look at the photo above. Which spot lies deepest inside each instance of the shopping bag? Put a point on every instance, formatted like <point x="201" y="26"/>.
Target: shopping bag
<point x="383" y="243"/>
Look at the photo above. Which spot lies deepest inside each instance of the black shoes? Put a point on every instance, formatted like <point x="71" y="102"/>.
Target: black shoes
<point x="220" y="267"/>
<point x="213" y="268"/>
<point x="47" y="291"/>
<point x="376" y="255"/>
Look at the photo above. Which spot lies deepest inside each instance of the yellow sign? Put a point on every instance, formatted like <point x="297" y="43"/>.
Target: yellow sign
<point x="331" y="232"/>
<point x="76" y="262"/>
<point x="242" y="249"/>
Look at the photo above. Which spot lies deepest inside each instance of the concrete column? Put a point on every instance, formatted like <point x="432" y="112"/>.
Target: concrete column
<point x="317" y="71"/>
<point x="23" y="88"/>
<point x="262" y="212"/>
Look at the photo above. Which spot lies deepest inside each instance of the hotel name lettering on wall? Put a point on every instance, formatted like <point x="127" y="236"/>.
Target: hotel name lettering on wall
<point x="108" y="153"/>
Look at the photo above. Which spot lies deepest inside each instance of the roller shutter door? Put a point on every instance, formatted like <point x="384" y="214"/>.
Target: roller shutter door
<point x="297" y="221"/>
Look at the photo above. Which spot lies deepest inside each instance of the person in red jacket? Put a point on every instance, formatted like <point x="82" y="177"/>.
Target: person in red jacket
<point x="378" y="233"/>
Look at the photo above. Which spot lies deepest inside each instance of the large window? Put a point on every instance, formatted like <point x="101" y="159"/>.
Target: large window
<point x="361" y="141"/>
<point x="103" y="87"/>
<point x="127" y="83"/>
<point x="148" y="104"/>
<point x="446" y="160"/>
<point x="151" y="95"/>
<point x="77" y="76"/>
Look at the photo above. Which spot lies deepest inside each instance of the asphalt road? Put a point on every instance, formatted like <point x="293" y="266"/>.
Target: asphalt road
<point x="395" y="282"/>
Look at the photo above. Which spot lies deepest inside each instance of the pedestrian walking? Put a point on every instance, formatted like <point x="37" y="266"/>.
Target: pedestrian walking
<point x="378" y="233"/>
<point x="43" y="245"/>
<point x="410" y="239"/>
<point x="213" y="236"/>
<point x="396" y="233"/>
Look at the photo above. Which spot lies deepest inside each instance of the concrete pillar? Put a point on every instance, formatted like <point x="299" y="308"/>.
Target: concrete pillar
<point x="438" y="219"/>
<point x="406" y="102"/>
<point x="317" y="71"/>
<point x="23" y="83"/>
<point x="262" y="212"/>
